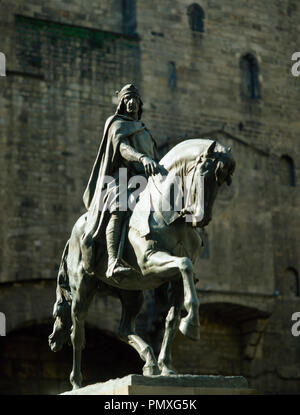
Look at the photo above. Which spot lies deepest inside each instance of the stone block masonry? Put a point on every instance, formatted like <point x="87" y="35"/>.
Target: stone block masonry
<point x="64" y="60"/>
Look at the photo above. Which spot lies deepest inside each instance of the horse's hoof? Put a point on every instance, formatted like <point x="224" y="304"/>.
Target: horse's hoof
<point x="76" y="384"/>
<point x="167" y="372"/>
<point x="151" y="371"/>
<point x="189" y="330"/>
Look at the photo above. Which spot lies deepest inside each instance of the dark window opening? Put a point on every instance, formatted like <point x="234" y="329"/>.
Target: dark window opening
<point x="129" y="17"/>
<point x="249" y="73"/>
<point x="205" y="251"/>
<point x="172" y="75"/>
<point x="196" y="17"/>
<point x="290" y="286"/>
<point x="287" y="171"/>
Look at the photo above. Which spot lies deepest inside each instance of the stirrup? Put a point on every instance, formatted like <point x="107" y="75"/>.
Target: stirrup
<point x="116" y="267"/>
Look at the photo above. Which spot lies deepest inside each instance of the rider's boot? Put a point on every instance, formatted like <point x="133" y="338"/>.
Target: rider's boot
<point x="113" y="232"/>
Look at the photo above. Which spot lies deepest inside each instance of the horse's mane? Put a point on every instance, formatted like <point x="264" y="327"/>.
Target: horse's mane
<point x="187" y="151"/>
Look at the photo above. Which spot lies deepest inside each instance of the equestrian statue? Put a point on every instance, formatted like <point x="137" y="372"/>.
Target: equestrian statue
<point x="130" y="241"/>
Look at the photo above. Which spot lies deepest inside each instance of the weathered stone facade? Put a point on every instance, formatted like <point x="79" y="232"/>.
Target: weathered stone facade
<point x="64" y="61"/>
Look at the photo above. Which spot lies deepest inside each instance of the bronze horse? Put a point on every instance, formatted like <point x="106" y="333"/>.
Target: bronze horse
<point x="162" y="247"/>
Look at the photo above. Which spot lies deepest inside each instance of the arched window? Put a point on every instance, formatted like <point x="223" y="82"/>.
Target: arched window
<point x="250" y="87"/>
<point x="287" y="171"/>
<point x="196" y="17"/>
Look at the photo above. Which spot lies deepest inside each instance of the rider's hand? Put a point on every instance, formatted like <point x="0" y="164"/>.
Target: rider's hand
<point x="150" y="166"/>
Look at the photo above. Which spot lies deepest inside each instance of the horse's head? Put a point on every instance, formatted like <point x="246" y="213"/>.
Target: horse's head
<point x="216" y="166"/>
<point x="205" y="163"/>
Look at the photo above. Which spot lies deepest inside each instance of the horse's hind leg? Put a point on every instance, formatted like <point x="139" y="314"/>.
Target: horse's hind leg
<point x="132" y="302"/>
<point x="171" y="327"/>
<point x="81" y="299"/>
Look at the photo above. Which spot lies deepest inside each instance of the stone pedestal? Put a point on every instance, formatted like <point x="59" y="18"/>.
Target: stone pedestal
<point x="168" y="385"/>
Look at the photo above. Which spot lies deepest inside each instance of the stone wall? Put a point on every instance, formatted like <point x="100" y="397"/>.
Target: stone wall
<point x="64" y="62"/>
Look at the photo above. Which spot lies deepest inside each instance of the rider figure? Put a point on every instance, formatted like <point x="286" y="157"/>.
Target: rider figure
<point x="126" y="143"/>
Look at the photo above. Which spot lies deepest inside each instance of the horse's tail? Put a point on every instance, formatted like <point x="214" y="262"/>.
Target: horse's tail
<point x="62" y="306"/>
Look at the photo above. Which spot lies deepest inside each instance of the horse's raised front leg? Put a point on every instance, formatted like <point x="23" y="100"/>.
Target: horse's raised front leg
<point x="132" y="302"/>
<point x="165" y="264"/>
<point x="81" y="299"/>
<point x="171" y="327"/>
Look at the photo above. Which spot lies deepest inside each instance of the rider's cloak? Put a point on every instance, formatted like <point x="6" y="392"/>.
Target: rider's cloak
<point x="117" y="129"/>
